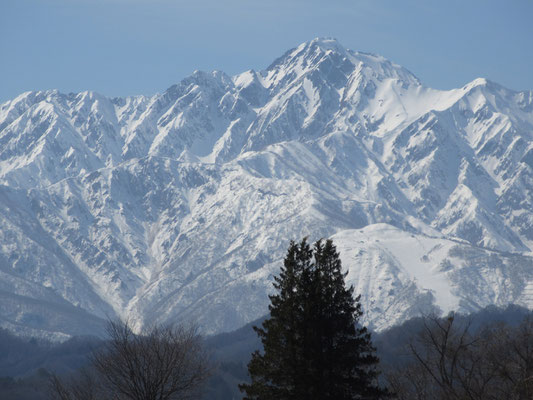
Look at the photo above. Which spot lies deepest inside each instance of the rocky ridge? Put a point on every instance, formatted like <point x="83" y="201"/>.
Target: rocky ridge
<point x="181" y="205"/>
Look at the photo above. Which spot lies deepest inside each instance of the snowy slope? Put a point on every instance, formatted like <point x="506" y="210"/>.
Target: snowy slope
<point x="182" y="204"/>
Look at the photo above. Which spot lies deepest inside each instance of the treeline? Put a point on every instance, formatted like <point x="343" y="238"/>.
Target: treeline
<point x="447" y="359"/>
<point x="20" y="356"/>
<point x="393" y="349"/>
<point x="27" y="364"/>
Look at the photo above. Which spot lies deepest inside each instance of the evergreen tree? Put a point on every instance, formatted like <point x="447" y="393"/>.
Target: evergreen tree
<point x="313" y="346"/>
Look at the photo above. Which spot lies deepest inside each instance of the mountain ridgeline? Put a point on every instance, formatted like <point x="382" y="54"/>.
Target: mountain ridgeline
<point x="179" y="206"/>
<point x="27" y="364"/>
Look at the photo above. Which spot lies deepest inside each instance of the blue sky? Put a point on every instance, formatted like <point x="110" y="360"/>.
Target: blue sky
<point x="126" y="47"/>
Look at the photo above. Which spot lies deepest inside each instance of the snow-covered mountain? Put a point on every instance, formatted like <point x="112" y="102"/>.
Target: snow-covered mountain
<point x="181" y="205"/>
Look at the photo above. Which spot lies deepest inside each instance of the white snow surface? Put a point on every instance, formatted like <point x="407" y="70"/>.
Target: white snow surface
<point x="181" y="205"/>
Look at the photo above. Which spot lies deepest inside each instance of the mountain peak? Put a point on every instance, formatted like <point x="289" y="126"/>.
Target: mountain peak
<point x="106" y="205"/>
<point x="478" y="82"/>
<point x="324" y="54"/>
<point x="485" y="83"/>
<point x="319" y="47"/>
<point x="325" y="43"/>
<point x="327" y="54"/>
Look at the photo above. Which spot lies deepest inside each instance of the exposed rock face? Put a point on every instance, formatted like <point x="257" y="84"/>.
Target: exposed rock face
<point x="181" y="205"/>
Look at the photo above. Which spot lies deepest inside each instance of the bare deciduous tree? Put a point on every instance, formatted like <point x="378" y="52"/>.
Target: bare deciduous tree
<point x="449" y="362"/>
<point x="163" y="363"/>
<point x="82" y="386"/>
<point x="445" y="364"/>
<point x="510" y="354"/>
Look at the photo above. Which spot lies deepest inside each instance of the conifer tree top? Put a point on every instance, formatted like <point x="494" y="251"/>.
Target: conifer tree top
<point x="313" y="344"/>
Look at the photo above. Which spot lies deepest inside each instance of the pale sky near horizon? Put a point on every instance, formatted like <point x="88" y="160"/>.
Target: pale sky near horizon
<point x="127" y="47"/>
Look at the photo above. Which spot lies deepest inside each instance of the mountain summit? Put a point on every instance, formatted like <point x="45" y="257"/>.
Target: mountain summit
<point x="181" y="205"/>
